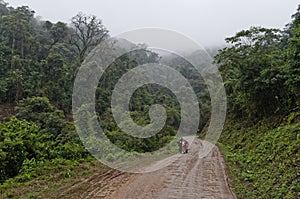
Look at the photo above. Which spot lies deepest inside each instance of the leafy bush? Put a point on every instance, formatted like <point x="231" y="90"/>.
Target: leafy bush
<point x="23" y="145"/>
<point x="43" y="113"/>
<point x="19" y="140"/>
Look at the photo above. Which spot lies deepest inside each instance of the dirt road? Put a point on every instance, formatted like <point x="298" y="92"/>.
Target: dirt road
<point x="188" y="177"/>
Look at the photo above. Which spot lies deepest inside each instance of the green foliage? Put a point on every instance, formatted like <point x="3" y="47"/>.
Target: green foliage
<point x="30" y="56"/>
<point x="264" y="159"/>
<point x="250" y="67"/>
<point x="292" y="69"/>
<point x="261" y="74"/>
<point x="140" y="103"/>
<point x="39" y="60"/>
<point x="47" y="178"/>
<point x="19" y="140"/>
<point x="261" y="71"/>
<point x="23" y="145"/>
<point x="42" y="112"/>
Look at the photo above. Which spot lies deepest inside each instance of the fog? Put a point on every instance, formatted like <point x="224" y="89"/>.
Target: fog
<point x="208" y="22"/>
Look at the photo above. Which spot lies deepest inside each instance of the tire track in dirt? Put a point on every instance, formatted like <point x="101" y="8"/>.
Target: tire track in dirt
<point x="189" y="176"/>
<point x="97" y="185"/>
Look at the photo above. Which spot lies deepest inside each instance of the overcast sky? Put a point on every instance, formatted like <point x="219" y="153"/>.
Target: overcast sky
<point x="206" y="21"/>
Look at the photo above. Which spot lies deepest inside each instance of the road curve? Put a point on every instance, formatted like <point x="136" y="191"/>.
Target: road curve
<point x="189" y="176"/>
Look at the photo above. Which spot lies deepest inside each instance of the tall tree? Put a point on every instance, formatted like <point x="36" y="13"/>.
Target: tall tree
<point x="3" y="8"/>
<point x="292" y="69"/>
<point x="16" y="27"/>
<point x="88" y="33"/>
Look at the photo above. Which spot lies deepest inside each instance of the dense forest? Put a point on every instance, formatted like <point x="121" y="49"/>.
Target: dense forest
<point x="38" y="64"/>
<point x="261" y="139"/>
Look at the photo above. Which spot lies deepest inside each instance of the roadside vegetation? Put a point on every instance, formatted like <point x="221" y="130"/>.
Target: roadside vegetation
<point x="261" y="139"/>
<point x="41" y="153"/>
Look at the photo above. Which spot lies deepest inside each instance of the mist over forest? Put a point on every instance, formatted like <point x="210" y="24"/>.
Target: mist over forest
<point x="39" y="144"/>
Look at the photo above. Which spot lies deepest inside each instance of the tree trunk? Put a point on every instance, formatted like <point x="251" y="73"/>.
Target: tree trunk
<point x="12" y="52"/>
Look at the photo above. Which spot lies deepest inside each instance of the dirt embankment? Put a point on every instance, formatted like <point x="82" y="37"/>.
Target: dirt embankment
<point x="6" y="111"/>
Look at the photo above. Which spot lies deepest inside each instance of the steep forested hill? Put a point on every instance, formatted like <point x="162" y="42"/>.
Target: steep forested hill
<point x="261" y="140"/>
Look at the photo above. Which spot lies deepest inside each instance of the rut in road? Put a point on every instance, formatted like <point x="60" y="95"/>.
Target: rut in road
<point x="189" y="176"/>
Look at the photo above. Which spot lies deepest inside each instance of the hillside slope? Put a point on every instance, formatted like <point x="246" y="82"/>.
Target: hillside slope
<point x="264" y="159"/>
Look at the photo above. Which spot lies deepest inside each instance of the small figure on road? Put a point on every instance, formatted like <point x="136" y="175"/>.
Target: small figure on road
<point x="183" y="145"/>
